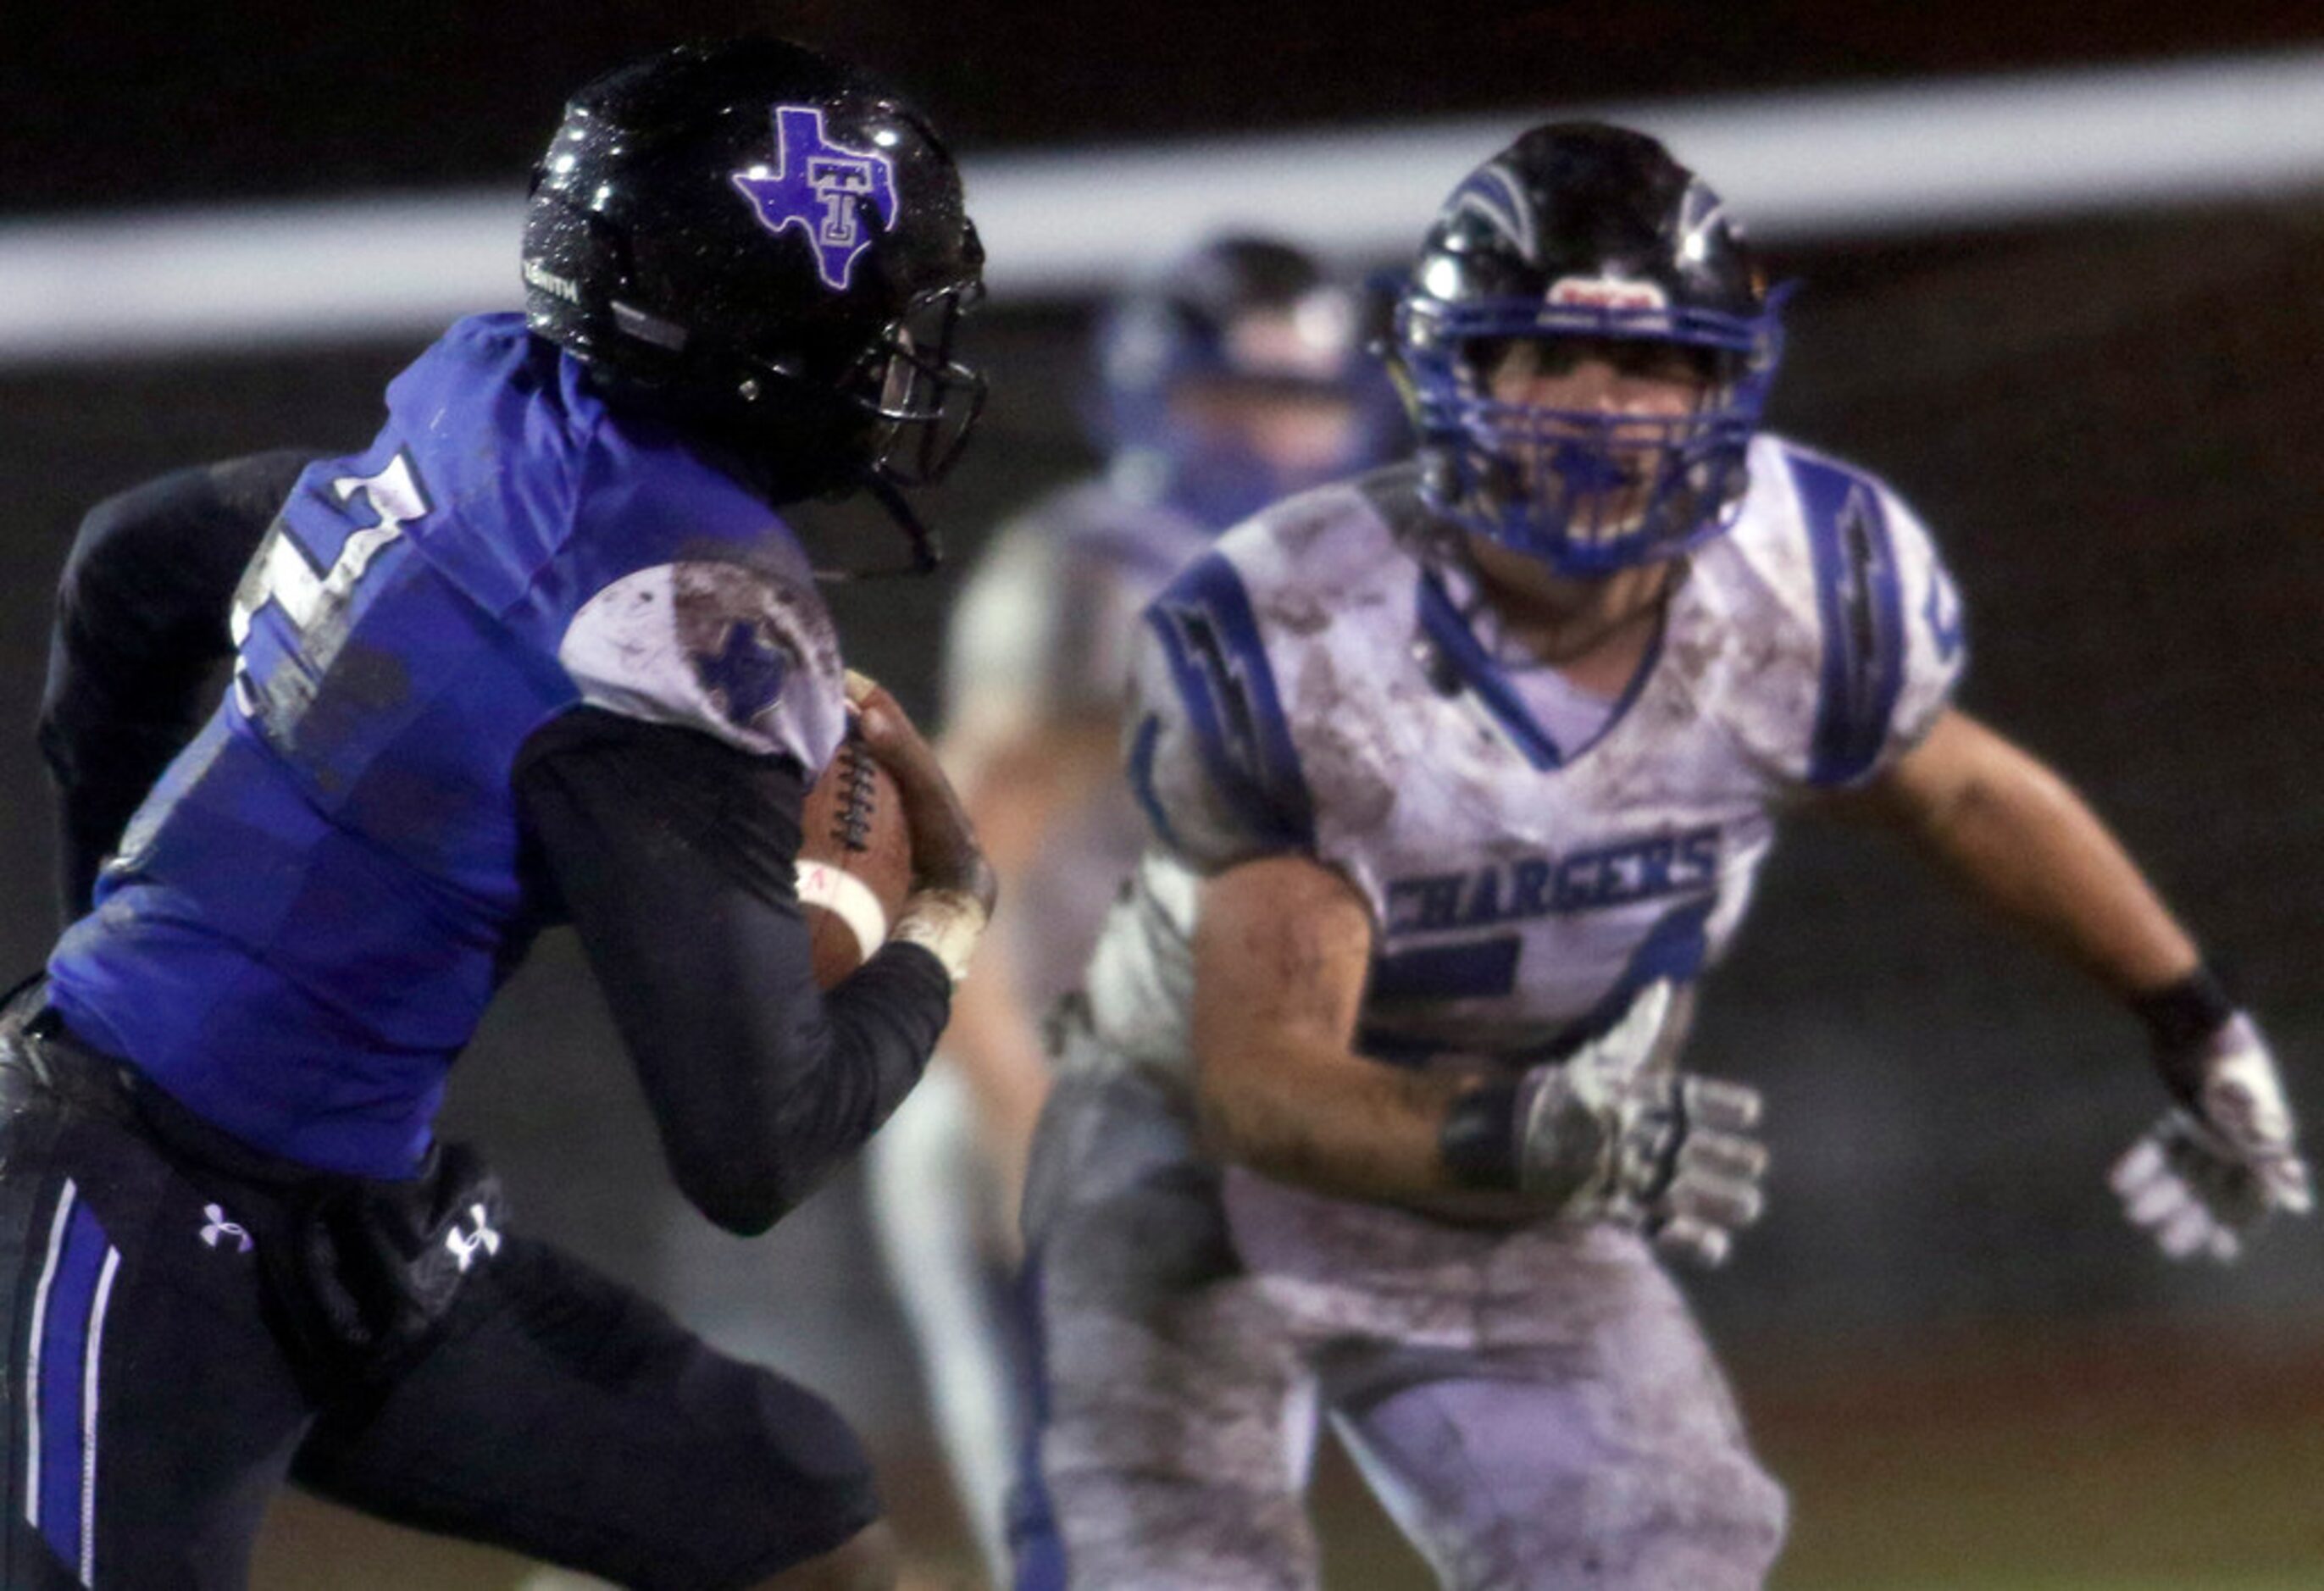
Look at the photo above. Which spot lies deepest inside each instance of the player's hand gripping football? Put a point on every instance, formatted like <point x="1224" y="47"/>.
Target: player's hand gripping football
<point x="2224" y="1159"/>
<point x="954" y="887"/>
<point x="1615" y="1133"/>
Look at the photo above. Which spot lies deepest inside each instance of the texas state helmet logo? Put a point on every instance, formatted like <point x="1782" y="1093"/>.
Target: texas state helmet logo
<point x="825" y="190"/>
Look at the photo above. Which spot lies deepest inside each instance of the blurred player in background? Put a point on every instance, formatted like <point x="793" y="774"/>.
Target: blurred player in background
<point x="1460" y="775"/>
<point x="1233" y="376"/>
<point x="544" y="652"/>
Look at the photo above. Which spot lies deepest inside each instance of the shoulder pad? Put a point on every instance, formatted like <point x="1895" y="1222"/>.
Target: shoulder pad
<point x="1848" y="610"/>
<point x="734" y="651"/>
<point x="1210" y="752"/>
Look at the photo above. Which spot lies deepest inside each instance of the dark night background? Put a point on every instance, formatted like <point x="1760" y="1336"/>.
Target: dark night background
<point x="109" y="104"/>
<point x="2112" y="425"/>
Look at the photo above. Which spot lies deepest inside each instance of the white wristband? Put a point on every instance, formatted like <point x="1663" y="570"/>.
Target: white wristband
<point x="946" y="923"/>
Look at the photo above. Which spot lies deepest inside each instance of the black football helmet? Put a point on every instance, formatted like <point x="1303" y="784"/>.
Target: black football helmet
<point x="1250" y="312"/>
<point x="1583" y="229"/>
<point x="769" y="247"/>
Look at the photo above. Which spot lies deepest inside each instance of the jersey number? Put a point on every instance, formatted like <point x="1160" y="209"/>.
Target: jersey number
<point x="285" y="574"/>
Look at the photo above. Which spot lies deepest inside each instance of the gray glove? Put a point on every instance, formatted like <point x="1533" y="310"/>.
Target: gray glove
<point x="1615" y="1133"/>
<point x="2218" y="1164"/>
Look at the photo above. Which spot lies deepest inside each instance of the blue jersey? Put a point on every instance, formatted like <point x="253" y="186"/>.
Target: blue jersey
<point x="308" y="915"/>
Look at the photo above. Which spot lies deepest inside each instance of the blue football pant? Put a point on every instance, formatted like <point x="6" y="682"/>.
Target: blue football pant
<point x="154" y="1404"/>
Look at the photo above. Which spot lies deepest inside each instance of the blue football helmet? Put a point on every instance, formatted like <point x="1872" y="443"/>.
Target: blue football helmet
<point x="1257" y="316"/>
<point x="1580" y="229"/>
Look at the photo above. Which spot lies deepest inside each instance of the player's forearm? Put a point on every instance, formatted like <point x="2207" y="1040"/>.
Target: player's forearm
<point x="761" y="1087"/>
<point x="672" y="853"/>
<point x="1282" y="954"/>
<point x="825" y="1095"/>
<point x="1334" y="1122"/>
<point x="141" y="623"/>
<point x="2018" y="839"/>
<point x="101" y="776"/>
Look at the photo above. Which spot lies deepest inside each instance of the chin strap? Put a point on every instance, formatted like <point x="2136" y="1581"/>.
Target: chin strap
<point x="927" y="546"/>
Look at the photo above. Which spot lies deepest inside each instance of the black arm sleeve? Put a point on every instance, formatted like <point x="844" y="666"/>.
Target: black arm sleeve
<point x="673" y="853"/>
<point x="140" y="629"/>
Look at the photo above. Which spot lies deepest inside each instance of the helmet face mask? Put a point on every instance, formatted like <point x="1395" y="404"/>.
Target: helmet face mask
<point x="906" y="405"/>
<point x="922" y="401"/>
<point x="769" y="250"/>
<point x="1581" y="232"/>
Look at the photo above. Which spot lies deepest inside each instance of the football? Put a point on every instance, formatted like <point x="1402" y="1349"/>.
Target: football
<point x="855" y="861"/>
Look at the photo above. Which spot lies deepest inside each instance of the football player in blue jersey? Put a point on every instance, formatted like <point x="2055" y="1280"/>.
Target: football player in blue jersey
<point x="544" y="651"/>
<point x="1460" y="775"/>
<point x="1232" y="374"/>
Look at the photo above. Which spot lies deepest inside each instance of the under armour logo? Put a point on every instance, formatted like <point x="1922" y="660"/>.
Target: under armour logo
<point x="218" y="1226"/>
<point x="823" y="189"/>
<point x="465" y="1244"/>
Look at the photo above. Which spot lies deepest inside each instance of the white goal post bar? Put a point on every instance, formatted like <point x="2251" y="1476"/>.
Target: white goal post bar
<point x="1066" y="223"/>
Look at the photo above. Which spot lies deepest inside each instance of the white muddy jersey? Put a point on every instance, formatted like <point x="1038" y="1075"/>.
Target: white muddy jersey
<point x="1041" y="634"/>
<point x="1310" y="686"/>
<point x="1042" y="626"/>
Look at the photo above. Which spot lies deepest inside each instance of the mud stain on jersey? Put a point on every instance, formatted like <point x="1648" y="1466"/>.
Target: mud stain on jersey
<point x="1297" y="533"/>
<point x="1692" y="649"/>
<point x="1343" y="744"/>
<point x="1299" y="613"/>
<point x="313" y="721"/>
<point x="710" y="598"/>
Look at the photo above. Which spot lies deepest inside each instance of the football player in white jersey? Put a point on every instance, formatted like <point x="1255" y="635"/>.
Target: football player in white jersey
<point x="1460" y="775"/>
<point x="1234" y="375"/>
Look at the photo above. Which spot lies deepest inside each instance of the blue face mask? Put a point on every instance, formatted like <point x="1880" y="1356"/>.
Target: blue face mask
<point x="1585" y="492"/>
